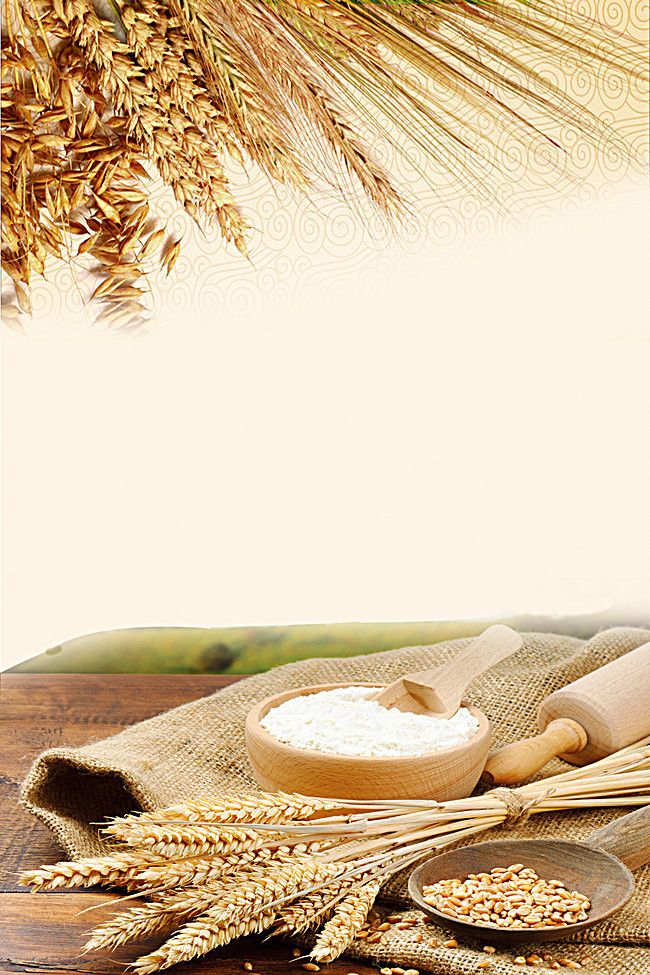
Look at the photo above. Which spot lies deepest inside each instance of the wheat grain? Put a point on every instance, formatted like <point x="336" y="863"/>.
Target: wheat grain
<point x="512" y="896"/>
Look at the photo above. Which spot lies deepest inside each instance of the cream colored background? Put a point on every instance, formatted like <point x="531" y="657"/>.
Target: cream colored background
<point x="452" y="421"/>
<point x="426" y="431"/>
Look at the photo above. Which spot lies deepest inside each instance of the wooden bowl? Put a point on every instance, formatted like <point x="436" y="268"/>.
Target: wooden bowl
<point x="600" y="876"/>
<point x="450" y="773"/>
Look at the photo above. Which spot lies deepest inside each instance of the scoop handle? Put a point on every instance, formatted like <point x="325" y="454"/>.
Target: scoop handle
<point x="627" y="837"/>
<point x="517" y="762"/>
<point x="441" y="689"/>
<point x="490" y="648"/>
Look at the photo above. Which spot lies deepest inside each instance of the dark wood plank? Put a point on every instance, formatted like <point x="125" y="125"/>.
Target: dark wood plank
<point x="74" y="699"/>
<point x="49" y="939"/>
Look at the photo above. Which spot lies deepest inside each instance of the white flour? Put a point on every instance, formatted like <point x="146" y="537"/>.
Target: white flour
<point x="343" y="722"/>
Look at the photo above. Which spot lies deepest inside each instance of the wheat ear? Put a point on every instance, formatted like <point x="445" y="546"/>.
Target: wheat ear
<point x="195" y="871"/>
<point x="312" y="90"/>
<point x="118" y="868"/>
<point x="155" y="917"/>
<point x="240" y="902"/>
<point x="197" y="938"/>
<point x="186" y="841"/>
<point x="310" y="911"/>
<point x="185" y="161"/>
<point x="250" y="891"/>
<point x="349" y="917"/>
<point x="223" y="922"/>
<point x="265" y="808"/>
<point x="251" y="102"/>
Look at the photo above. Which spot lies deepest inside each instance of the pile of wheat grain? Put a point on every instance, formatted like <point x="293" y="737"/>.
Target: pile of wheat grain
<point x="218" y="869"/>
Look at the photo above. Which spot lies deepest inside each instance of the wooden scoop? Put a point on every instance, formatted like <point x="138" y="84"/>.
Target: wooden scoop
<point x="599" y="868"/>
<point x="439" y="691"/>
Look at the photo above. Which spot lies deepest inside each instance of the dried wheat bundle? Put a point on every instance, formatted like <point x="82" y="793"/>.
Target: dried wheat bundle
<point x="73" y="183"/>
<point x="99" y="96"/>
<point x="304" y="863"/>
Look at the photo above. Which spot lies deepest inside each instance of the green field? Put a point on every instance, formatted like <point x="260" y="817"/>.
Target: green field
<point x="250" y="650"/>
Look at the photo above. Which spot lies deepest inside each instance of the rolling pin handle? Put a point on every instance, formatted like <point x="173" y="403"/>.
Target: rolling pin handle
<point x="627" y="838"/>
<point x="519" y="761"/>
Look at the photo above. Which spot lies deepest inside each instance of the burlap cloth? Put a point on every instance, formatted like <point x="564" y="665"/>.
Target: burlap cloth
<point x="199" y="748"/>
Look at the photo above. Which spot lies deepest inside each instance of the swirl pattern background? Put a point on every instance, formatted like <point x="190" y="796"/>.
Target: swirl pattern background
<point x="325" y="244"/>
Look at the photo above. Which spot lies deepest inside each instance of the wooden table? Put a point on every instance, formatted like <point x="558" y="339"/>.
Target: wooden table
<point x="43" y="933"/>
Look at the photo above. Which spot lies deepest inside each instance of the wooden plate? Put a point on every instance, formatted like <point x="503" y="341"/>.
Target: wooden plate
<point x="600" y="876"/>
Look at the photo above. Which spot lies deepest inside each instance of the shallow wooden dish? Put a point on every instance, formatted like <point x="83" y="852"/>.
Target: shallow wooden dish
<point x="450" y="773"/>
<point x="604" y="879"/>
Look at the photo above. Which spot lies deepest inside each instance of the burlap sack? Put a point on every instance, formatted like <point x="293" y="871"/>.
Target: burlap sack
<point x="199" y="749"/>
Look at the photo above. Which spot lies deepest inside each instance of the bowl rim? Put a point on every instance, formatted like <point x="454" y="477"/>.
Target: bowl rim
<point x="253" y="727"/>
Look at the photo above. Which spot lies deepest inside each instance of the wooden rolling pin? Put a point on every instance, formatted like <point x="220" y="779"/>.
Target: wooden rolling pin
<point x="582" y="722"/>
